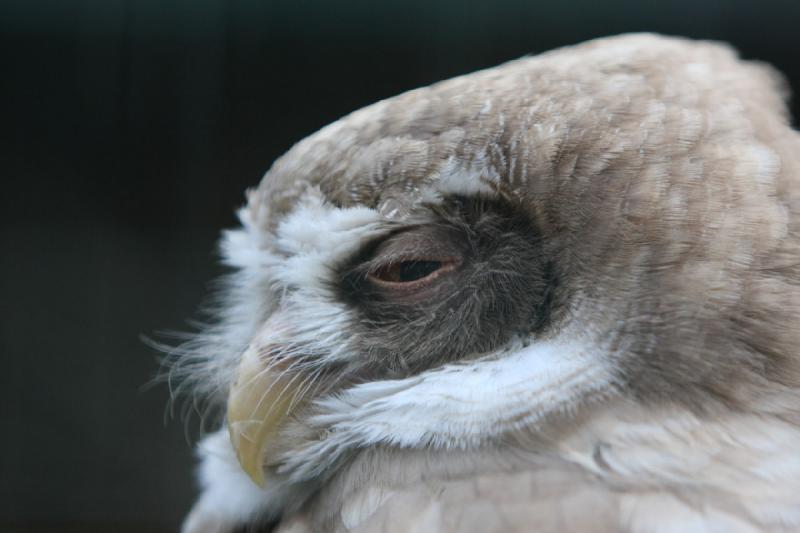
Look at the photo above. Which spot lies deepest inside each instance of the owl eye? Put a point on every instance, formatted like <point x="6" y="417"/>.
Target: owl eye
<point x="411" y="273"/>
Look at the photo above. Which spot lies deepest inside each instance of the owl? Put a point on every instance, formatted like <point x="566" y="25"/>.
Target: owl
<point x="562" y="294"/>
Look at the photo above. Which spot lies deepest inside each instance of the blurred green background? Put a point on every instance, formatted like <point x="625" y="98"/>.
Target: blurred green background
<point x="130" y="130"/>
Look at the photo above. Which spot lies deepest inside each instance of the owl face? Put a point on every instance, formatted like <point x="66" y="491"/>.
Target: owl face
<point x="500" y="251"/>
<point x="467" y="277"/>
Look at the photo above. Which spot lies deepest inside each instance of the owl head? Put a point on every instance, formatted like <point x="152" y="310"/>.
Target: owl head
<point x="500" y="252"/>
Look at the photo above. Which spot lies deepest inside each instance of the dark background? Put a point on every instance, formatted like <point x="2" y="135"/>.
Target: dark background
<point x="130" y="130"/>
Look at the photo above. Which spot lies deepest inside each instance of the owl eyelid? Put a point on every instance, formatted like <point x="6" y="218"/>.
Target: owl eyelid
<point x="446" y="265"/>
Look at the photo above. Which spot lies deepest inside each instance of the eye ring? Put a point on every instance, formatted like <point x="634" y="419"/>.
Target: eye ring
<point x="412" y="273"/>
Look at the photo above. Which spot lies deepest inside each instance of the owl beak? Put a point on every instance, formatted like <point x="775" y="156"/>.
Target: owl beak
<point x="260" y="400"/>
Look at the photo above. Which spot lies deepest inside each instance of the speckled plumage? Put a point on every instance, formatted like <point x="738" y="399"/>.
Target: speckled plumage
<point x="663" y="177"/>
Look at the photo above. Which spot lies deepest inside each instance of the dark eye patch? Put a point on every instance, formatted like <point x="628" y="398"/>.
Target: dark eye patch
<point x="458" y="286"/>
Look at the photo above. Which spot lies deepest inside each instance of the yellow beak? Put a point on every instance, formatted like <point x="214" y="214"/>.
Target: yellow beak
<point x="259" y="402"/>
